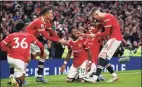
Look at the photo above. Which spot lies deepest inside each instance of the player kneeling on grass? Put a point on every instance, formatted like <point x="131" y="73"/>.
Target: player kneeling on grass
<point x="81" y="54"/>
<point x="94" y="44"/>
<point x="17" y="46"/>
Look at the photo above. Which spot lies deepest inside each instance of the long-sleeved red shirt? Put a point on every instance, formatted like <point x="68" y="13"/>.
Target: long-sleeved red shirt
<point x="38" y="26"/>
<point x="112" y="27"/>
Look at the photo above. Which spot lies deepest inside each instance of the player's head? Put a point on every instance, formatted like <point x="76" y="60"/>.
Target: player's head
<point x="91" y="27"/>
<point x="74" y="32"/>
<point x="47" y="13"/>
<point x="20" y="26"/>
<point x="96" y="13"/>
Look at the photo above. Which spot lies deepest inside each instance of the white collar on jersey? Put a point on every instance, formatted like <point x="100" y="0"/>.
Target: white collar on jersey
<point x="43" y="20"/>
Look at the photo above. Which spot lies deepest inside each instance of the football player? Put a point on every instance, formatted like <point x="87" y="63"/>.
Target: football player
<point x="40" y="26"/>
<point x="113" y="32"/>
<point x="17" y="46"/>
<point x="81" y="56"/>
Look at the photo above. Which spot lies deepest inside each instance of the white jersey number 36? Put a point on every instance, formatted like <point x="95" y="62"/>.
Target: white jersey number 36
<point x="21" y="44"/>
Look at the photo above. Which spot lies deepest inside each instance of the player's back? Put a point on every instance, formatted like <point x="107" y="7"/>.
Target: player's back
<point x="33" y="27"/>
<point x="38" y="25"/>
<point x="115" y="32"/>
<point x="20" y="45"/>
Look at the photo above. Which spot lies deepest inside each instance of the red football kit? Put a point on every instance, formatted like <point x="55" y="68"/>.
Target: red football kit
<point x="94" y="44"/>
<point x="112" y="28"/>
<point x="79" y="53"/>
<point x="38" y="26"/>
<point x="19" y="43"/>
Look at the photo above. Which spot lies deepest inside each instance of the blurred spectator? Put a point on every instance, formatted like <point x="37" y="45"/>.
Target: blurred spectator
<point x="138" y="51"/>
<point x="51" y="49"/>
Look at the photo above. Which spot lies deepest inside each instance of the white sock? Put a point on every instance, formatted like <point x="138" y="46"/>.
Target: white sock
<point x="114" y="74"/>
<point x="95" y="77"/>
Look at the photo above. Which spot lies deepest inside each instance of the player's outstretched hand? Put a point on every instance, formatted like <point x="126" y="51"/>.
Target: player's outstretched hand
<point x="90" y="35"/>
<point x="82" y="34"/>
<point x="88" y="67"/>
<point x="63" y="41"/>
<point x="63" y="68"/>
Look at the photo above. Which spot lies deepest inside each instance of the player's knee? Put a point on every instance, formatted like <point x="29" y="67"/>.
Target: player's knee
<point x="45" y="55"/>
<point x="102" y="62"/>
<point x="35" y="55"/>
<point x="19" y="74"/>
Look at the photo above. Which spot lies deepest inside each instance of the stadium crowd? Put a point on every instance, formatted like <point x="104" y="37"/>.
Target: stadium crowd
<point x="73" y="13"/>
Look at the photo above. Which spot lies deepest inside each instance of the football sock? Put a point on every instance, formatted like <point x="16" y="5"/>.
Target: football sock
<point x="98" y="72"/>
<point x="11" y="71"/>
<point x="101" y="64"/>
<point x="40" y="66"/>
<point x="109" y="68"/>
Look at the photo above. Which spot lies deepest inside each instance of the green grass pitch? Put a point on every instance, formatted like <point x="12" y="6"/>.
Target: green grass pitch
<point x="127" y="79"/>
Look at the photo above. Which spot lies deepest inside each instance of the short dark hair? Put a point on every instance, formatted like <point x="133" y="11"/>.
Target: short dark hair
<point x="44" y="11"/>
<point x="93" y="10"/>
<point x="19" y="26"/>
<point x="71" y="28"/>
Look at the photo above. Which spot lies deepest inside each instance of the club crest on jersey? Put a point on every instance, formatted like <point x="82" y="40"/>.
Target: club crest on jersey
<point x="79" y="45"/>
<point x="42" y="25"/>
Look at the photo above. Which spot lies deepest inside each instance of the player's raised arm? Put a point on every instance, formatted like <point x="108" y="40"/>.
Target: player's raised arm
<point x="46" y="35"/>
<point x="101" y="34"/>
<point x="107" y="21"/>
<point x="53" y="33"/>
<point x="107" y="26"/>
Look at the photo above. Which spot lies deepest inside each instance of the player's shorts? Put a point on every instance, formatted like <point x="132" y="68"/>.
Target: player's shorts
<point x="18" y="65"/>
<point x="109" y="48"/>
<point x="80" y="71"/>
<point x="35" y="49"/>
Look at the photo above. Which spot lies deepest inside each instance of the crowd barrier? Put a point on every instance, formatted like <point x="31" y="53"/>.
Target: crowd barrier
<point x="52" y="66"/>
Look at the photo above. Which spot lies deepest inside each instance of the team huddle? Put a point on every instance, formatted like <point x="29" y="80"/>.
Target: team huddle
<point x="88" y="60"/>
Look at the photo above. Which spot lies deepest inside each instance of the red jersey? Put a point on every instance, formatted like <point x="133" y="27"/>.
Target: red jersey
<point x="79" y="53"/>
<point x="94" y="44"/>
<point x="38" y="26"/>
<point x="19" y="43"/>
<point x="112" y="27"/>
